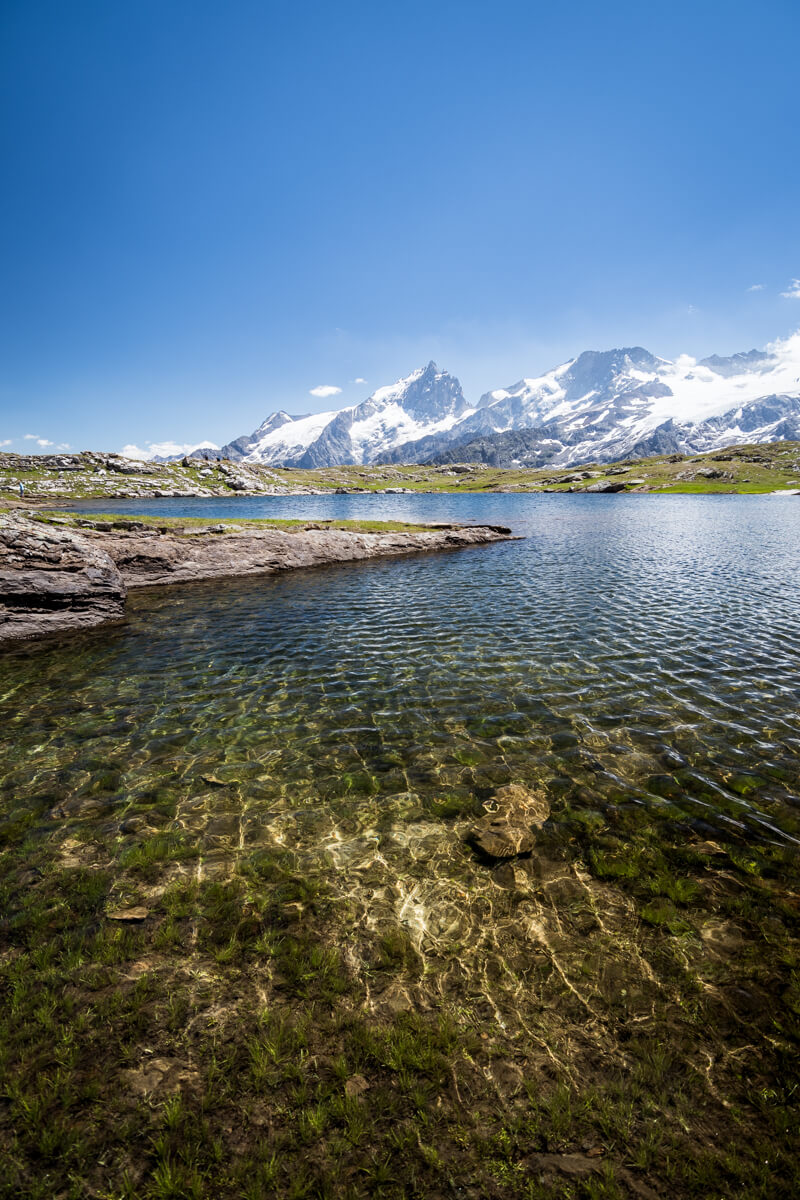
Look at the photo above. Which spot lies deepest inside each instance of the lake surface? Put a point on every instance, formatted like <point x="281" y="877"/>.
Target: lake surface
<point x="642" y="650"/>
<point x="281" y="772"/>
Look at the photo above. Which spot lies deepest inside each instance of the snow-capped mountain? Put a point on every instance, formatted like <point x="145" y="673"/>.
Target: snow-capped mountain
<point x="600" y="406"/>
<point x="428" y="403"/>
<point x="604" y="406"/>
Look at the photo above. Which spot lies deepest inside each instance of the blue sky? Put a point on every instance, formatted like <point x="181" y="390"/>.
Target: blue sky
<point x="210" y="209"/>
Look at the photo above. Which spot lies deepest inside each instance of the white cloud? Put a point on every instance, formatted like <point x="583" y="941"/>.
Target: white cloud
<point x="6" y="442"/>
<point x="756" y="287"/>
<point x="691" y="309"/>
<point x="64" y="446"/>
<point x="31" y="437"/>
<point x="44" y="442"/>
<point x="324" y="390"/>
<point x="165" y="449"/>
<point x="359" y="380"/>
<point x="793" y="292"/>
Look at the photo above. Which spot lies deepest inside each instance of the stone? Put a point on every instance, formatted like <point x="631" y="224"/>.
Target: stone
<point x="355" y="1085"/>
<point x="54" y="579"/>
<point x="497" y="838"/>
<point x="508" y="830"/>
<point x="159" y="1075"/>
<point x="134" y="914"/>
<point x="605" y="487"/>
<point x="532" y="806"/>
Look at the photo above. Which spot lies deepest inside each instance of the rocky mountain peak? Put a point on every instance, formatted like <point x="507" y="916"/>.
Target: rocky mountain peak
<point x="430" y="394"/>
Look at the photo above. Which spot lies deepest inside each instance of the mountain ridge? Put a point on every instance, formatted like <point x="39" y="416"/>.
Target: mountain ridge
<point x="600" y="406"/>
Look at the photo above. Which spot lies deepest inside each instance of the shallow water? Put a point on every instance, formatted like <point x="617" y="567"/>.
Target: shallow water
<point x="633" y="660"/>
<point x="628" y="652"/>
<point x="643" y="649"/>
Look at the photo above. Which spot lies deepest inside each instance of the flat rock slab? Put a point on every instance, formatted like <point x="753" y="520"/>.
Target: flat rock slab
<point x="159" y="1076"/>
<point x="134" y="914"/>
<point x="54" y="579"/>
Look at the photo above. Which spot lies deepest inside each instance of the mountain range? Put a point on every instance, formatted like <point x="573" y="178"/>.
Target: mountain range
<point x="599" y="407"/>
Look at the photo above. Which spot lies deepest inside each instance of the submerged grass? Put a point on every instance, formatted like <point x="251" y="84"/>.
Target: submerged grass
<point x="233" y="1041"/>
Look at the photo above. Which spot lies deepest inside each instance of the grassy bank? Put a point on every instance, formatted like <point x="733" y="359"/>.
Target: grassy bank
<point x="193" y="525"/>
<point x="740" y="469"/>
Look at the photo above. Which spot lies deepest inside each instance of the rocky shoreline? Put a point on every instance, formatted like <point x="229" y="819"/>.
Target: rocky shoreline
<point x="55" y="578"/>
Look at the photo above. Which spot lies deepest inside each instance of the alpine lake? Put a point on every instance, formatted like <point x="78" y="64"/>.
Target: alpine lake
<point x="247" y="951"/>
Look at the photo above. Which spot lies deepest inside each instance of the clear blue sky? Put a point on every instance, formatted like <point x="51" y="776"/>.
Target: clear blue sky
<point x="210" y="208"/>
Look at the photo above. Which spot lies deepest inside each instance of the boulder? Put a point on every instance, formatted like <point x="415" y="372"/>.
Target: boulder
<point x="605" y="487"/>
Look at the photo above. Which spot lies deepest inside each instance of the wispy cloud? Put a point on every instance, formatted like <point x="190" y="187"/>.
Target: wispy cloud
<point x="324" y="390"/>
<point x="756" y="287"/>
<point x="359" y="380"/>
<point x="165" y="449"/>
<point x="6" y="442"/>
<point x="40" y="441"/>
<point x="793" y="292"/>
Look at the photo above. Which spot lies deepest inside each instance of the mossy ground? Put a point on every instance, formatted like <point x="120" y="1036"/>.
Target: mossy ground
<point x="194" y="525"/>
<point x="249" y="1038"/>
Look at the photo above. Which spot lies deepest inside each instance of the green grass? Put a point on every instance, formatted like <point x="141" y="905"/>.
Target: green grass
<point x="746" y="470"/>
<point x="194" y="525"/>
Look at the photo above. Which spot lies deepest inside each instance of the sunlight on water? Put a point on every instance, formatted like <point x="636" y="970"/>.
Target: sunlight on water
<point x="630" y="656"/>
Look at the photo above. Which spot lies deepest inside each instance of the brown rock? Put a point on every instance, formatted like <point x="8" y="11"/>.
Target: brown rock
<point x="530" y="806"/>
<point x="496" y="838"/>
<point x="135" y="913"/>
<point x="509" y="831"/>
<point x="159" y="1075"/>
<point x="52" y="579"/>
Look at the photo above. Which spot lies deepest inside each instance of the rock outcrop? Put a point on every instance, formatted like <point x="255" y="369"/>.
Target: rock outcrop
<point x="52" y="579"/>
<point x="55" y="578"/>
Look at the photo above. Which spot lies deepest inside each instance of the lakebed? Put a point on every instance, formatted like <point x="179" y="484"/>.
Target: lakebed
<point x="251" y="950"/>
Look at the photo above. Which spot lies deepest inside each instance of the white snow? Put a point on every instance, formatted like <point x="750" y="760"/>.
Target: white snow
<point x="290" y="439"/>
<point x="392" y="426"/>
<point x="624" y="398"/>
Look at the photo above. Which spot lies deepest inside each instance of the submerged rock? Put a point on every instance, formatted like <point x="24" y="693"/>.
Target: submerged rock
<point x="509" y="830"/>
